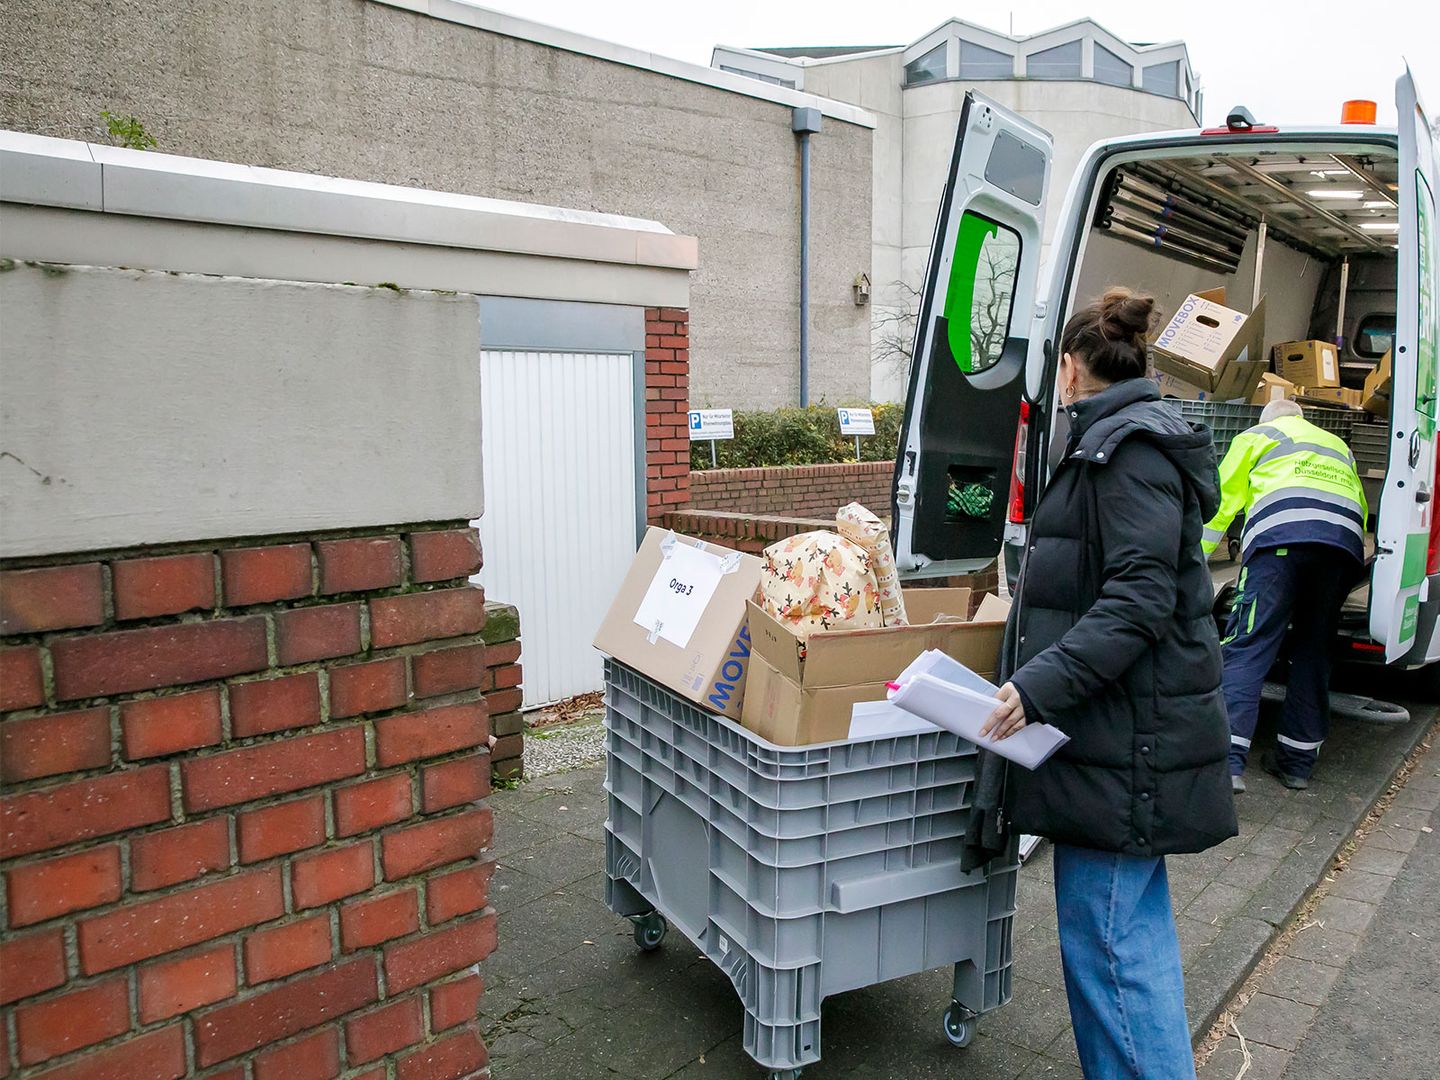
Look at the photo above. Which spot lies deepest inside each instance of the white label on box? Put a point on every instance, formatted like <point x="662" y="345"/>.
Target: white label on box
<point x="679" y="593"/>
<point x="1327" y="364"/>
<point x="856" y="421"/>
<point x="712" y="424"/>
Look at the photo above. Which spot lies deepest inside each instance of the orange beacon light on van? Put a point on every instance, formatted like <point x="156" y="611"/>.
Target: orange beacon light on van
<point x="1357" y="112"/>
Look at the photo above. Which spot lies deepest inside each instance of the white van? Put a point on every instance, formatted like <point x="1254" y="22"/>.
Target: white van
<point x="1171" y="214"/>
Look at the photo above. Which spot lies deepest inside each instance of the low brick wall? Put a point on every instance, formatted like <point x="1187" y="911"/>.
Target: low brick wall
<point x="502" y="690"/>
<point x="242" y="832"/>
<point x="802" y="491"/>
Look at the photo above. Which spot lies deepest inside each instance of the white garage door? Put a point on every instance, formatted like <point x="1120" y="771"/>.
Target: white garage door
<point x="560" y="522"/>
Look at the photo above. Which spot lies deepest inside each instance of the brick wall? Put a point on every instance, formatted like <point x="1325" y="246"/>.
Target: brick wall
<point x="241" y="835"/>
<point x="808" y="491"/>
<point x="502" y="690"/>
<point x="667" y="394"/>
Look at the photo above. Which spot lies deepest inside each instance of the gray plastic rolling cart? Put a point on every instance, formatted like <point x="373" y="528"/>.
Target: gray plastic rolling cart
<point x="800" y="872"/>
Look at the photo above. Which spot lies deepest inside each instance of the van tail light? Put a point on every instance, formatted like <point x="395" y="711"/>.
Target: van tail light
<point x="1432" y="551"/>
<point x="1017" y="474"/>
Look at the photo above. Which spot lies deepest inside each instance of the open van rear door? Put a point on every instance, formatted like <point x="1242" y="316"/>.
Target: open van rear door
<point x="967" y="372"/>
<point x="1407" y="527"/>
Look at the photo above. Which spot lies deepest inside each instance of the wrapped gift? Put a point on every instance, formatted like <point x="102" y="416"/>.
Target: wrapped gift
<point x="860" y="526"/>
<point x="820" y="581"/>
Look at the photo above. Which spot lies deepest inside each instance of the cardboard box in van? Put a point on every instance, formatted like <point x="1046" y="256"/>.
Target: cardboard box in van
<point x="1308" y="363"/>
<point x="1375" y="398"/>
<point x="1272" y="387"/>
<point x="1204" y="340"/>
<point x="680" y="618"/>
<point x="1331" y="395"/>
<point x="803" y="692"/>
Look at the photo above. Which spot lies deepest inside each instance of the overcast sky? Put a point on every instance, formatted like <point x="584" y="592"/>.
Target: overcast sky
<point x="1289" y="62"/>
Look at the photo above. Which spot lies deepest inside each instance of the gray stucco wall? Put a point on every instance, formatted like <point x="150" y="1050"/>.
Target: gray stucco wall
<point x="359" y="89"/>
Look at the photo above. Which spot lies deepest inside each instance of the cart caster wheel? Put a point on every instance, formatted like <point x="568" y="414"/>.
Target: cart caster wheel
<point x="959" y="1025"/>
<point x="785" y="1074"/>
<point x="650" y="931"/>
<point x="1233" y="548"/>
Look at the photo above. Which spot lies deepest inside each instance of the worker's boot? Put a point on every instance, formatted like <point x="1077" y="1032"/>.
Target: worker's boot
<point x="1294" y="783"/>
<point x="1237" y="783"/>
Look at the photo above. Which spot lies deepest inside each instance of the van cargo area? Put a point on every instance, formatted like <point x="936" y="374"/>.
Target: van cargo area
<point x="1261" y="223"/>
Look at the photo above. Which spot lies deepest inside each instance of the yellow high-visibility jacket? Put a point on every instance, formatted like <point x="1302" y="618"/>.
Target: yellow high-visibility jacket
<point x="1296" y="483"/>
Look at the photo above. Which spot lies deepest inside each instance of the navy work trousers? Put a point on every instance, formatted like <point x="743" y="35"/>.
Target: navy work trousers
<point x="1299" y="589"/>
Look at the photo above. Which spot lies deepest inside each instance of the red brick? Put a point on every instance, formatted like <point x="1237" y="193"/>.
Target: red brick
<point x="237" y="1073"/>
<point x="147" y="659"/>
<point x="278" y="951"/>
<point x="172" y="922"/>
<point x="172" y="987"/>
<point x="82" y="809"/>
<point x="43" y="890"/>
<point x="430" y="732"/>
<point x="503" y="701"/>
<point x="444" y="555"/>
<point x="427" y="616"/>
<point x="369" y="562"/>
<point x="31" y="964"/>
<point x="170" y="856"/>
<point x="435" y="843"/>
<point x="58" y="1025"/>
<point x="454" y="783"/>
<point x="317" y="633"/>
<point x="259" y="708"/>
<point x="156" y="1055"/>
<point x="362" y="807"/>
<point x="286" y="1010"/>
<point x="168" y="585"/>
<point x="675" y="367"/>
<point x="507" y="746"/>
<point x="450" y="1058"/>
<point x="505" y="652"/>
<point x="675" y="314"/>
<point x="261" y="575"/>
<point x="253" y="772"/>
<point x="167" y="725"/>
<point x="455" y="1003"/>
<point x="506" y="676"/>
<point x="461" y="892"/>
<point x="657" y="353"/>
<point x="367" y="688"/>
<point x="51" y="598"/>
<point x="319" y="879"/>
<point x="281" y="829"/>
<point x="380" y="918"/>
<point x="315" y="1057"/>
<point x="54" y="744"/>
<point x="21" y="683"/>
<point x="446" y="671"/>
<point x="383" y="1031"/>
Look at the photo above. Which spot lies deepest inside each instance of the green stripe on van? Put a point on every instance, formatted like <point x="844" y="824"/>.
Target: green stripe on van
<point x="1417" y="550"/>
<point x="960" y="296"/>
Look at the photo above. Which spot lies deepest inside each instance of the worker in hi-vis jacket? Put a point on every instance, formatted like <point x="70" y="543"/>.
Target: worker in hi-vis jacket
<point x="1302" y="548"/>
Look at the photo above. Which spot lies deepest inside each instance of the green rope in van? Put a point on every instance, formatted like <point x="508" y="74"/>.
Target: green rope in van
<point x="971" y="500"/>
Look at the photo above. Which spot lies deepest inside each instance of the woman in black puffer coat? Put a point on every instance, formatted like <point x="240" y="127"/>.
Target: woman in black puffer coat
<point x="1110" y="639"/>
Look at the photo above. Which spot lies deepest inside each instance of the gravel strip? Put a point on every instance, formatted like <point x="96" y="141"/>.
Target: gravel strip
<point x="562" y="748"/>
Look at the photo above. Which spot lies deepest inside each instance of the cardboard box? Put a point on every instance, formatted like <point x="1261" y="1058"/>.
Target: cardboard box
<point x="711" y="665"/>
<point x="1314" y="364"/>
<point x="1330" y="395"/>
<point x="1265" y="390"/>
<point x="1235" y="384"/>
<point x="1204" y="339"/>
<point x="800" y="694"/>
<point x="1375" y="398"/>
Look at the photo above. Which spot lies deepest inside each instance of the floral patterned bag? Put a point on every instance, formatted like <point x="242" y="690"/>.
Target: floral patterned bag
<point x="859" y="525"/>
<point x="820" y="581"/>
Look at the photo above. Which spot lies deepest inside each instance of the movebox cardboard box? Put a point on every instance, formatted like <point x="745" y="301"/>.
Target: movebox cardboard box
<point x="1375" y="398"/>
<point x="1331" y="395"/>
<point x="801" y="693"/>
<point x="1265" y="390"/>
<point x="710" y="668"/>
<point x="1204" y="340"/>
<point x="1313" y="364"/>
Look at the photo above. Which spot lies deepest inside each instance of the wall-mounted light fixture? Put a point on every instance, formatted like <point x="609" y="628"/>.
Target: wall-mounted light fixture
<point x="861" y="287"/>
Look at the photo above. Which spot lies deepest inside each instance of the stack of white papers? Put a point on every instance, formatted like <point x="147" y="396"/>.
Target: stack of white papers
<point x="940" y="689"/>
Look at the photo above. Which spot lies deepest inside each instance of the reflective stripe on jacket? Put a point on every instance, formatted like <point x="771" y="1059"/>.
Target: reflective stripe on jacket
<point x="1296" y="484"/>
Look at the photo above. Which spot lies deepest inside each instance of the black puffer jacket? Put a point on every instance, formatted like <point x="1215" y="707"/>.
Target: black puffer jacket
<point x="1111" y="639"/>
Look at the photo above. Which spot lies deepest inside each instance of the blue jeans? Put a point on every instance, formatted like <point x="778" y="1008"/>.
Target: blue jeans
<point x="1122" y="966"/>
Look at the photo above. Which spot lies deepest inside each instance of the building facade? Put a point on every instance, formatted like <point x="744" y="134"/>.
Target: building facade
<point x="1079" y="82"/>
<point x="456" y="98"/>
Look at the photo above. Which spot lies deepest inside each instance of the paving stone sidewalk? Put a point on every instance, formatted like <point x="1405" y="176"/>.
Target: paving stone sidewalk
<point x="1356" y="992"/>
<point x="569" y="996"/>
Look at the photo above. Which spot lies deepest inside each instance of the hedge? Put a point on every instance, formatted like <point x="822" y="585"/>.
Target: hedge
<point x="800" y="437"/>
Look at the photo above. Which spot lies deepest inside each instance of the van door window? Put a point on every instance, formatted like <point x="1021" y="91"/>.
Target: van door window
<point x="1375" y="335"/>
<point x="982" y="292"/>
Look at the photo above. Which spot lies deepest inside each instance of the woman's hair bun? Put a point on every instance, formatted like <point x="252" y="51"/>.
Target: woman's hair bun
<point x="1111" y="334"/>
<point x="1126" y="314"/>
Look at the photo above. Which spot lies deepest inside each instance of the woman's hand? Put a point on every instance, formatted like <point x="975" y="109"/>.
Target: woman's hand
<point x="1008" y="718"/>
